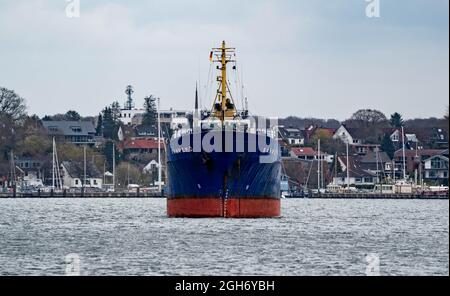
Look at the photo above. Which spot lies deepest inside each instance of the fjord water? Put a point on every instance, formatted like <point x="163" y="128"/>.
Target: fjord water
<point x="134" y="237"/>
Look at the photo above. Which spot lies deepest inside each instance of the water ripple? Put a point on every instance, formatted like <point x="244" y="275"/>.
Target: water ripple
<point x="134" y="237"/>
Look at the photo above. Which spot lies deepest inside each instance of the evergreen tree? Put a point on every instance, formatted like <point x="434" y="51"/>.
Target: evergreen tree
<point x="396" y="120"/>
<point x="99" y="128"/>
<point x="151" y="114"/>
<point x="110" y="126"/>
<point x="115" y="111"/>
<point x="387" y="146"/>
<point x="108" y="153"/>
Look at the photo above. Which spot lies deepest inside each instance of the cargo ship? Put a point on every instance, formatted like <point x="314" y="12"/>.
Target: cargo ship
<point x="226" y="163"/>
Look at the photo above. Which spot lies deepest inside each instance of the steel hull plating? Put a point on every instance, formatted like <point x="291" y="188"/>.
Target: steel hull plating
<point x="240" y="184"/>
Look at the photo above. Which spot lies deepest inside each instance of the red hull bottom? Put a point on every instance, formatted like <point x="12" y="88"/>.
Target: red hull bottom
<point x="230" y="208"/>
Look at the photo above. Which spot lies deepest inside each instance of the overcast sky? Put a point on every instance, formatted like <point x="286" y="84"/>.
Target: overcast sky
<point x="311" y="58"/>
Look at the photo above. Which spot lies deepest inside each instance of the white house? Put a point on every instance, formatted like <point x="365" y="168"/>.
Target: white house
<point x="347" y="135"/>
<point x="134" y="116"/>
<point x="73" y="175"/>
<point x="292" y="136"/>
<point x="436" y="168"/>
<point x="397" y="137"/>
<point x="126" y="115"/>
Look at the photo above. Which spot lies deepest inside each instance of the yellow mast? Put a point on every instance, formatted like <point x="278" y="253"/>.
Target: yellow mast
<point x="224" y="80"/>
<point x="224" y="108"/>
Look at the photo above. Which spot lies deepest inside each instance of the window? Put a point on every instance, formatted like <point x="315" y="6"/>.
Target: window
<point x="95" y="181"/>
<point x="76" y="182"/>
<point x="76" y="129"/>
<point x="436" y="163"/>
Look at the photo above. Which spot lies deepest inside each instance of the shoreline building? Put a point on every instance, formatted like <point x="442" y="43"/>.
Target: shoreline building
<point x="73" y="175"/>
<point x="75" y="132"/>
<point x="130" y="115"/>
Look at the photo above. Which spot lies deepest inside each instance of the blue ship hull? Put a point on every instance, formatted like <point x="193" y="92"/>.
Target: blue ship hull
<point x="241" y="183"/>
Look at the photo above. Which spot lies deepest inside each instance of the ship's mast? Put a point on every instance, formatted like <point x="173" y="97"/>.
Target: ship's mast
<point x="224" y="79"/>
<point x="223" y="107"/>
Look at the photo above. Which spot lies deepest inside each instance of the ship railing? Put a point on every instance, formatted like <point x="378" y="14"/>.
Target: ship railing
<point x="272" y="132"/>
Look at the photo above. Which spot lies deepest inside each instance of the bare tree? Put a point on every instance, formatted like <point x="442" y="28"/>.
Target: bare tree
<point x="11" y="105"/>
<point x="369" y="116"/>
<point x="12" y="117"/>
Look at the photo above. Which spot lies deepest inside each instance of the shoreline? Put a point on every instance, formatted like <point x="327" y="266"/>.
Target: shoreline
<point x="142" y="196"/>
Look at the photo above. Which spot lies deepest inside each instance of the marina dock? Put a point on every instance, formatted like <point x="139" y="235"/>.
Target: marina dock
<point x="82" y="195"/>
<point x="373" y="196"/>
<point x="158" y="195"/>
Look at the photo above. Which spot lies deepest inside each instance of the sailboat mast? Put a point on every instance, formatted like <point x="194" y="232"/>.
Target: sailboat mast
<point x="84" y="166"/>
<point x="114" y="166"/>
<point x="348" y="170"/>
<point x="53" y="165"/>
<point x="318" y="164"/>
<point x="159" y="147"/>
<point x="13" y="170"/>
<point x="404" y="157"/>
<point x="376" y="156"/>
<point x="335" y="168"/>
<point x="393" y="170"/>
<point x="128" y="174"/>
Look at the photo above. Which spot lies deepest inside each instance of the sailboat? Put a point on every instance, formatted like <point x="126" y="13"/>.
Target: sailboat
<point x="404" y="186"/>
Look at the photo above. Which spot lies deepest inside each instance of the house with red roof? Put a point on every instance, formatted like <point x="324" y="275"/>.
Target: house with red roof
<point x="140" y="145"/>
<point x="308" y="153"/>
